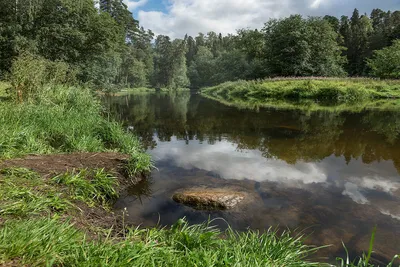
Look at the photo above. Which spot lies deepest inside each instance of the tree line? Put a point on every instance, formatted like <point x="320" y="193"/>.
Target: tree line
<point x="105" y="47"/>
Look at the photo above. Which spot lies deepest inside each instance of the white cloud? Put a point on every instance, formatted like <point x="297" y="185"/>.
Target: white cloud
<point x="316" y="4"/>
<point x="226" y="16"/>
<point x="132" y="4"/>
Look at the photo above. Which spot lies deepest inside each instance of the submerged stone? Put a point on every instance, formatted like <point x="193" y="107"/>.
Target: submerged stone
<point x="209" y="198"/>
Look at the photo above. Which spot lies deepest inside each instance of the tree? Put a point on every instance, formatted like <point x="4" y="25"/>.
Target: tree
<point x="326" y="57"/>
<point x="334" y="22"/>
<point x="180" y="78"/>
<point x="358" y="44"/>
<point x="170" y="63"/>
<point x="302" y="47"/>
<point x="202" y="68"/>
<point x="287" y="50"/>
<point x="386" y="62"/>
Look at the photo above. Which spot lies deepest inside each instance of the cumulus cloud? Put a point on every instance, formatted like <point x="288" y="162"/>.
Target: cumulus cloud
<point x="226" y="16"/>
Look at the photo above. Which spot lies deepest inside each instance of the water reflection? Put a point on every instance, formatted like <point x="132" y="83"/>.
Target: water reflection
<point x="336" y="172"/>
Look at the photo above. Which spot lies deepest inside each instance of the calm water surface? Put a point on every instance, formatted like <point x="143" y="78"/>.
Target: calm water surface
<point x="336" y="175"/>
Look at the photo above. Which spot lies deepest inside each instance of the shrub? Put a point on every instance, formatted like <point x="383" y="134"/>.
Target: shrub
<point x="385" y="63"/>
<point x="29" y="74"/>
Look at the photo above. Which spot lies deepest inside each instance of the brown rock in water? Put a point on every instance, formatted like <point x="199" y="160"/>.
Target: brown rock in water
<point x="209" y="198"/>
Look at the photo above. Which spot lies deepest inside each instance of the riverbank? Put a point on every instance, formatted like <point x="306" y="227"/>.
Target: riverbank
<point x="139" y="90"/>
<point x="64" y="217"/>
<point x="62" y="166"/>
<point x="334" y="91"/>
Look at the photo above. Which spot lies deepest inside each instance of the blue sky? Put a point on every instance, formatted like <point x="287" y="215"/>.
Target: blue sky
<point x="179" y="17"/>
<point x="151" y="5"/>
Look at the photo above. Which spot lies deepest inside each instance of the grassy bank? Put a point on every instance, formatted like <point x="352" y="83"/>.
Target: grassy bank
<point x="331" y="90"/>
<point x="309" y="105"/>
<point x="40" y="218"/>
<point x="63" y="119"/>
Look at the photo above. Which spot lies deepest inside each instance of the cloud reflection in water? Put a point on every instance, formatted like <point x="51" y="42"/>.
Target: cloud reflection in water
<point x="224" y="159"/>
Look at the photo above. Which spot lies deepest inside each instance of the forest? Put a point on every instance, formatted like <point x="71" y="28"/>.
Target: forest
<point x="102" y="46"/>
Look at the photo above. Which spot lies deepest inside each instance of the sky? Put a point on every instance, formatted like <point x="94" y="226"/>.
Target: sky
<point x="179" y="17"/>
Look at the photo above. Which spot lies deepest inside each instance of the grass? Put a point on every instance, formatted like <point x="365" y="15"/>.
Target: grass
<point x="94" y="187"/>
<point x="321" y="89"/>
<point x="25" y="193"/>
<point x="62" y="120"/>
<point x="40" y="242"/>
<point x="36" y="233"/>
<point x="310" y="105"/>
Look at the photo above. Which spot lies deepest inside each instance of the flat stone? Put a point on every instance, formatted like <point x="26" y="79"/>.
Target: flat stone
<point x="209" y="198"/>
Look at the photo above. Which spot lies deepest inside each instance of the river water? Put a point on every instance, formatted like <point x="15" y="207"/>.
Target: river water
<point x="332" y="175"/>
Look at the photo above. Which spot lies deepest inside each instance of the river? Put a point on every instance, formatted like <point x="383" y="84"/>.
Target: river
<point x="332" y="175"/>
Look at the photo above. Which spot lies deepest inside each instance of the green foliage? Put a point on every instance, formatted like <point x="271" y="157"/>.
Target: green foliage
<point x="386" y="62"/>
<point x="30" y="73"/>
<point x="334" y="90"/>
<point x="63" y="119"/>
<point x="302" y="47"/>
<point x="108" y="50"/>
<point x="94" y="187"/>
<point x="202" y="67"/>
<point x="170" y="70"/>
<point x="90" y="41"/>
<point x="24" y="193"/>
<point x="37" y="242"/>
<point x="4" y="86"/>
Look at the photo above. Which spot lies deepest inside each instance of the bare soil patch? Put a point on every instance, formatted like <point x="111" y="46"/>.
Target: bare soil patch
<point x="50" y="165"/>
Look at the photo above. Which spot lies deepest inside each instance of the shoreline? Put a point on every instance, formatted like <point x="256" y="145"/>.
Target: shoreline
<point x="349" y="92"/>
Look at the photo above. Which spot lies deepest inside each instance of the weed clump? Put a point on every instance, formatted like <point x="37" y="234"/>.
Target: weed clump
<point x="94" y="187"/>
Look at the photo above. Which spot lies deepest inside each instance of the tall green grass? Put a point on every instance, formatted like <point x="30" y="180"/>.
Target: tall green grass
<point x="49" y="242"/>
<point x="334" y="90"/>
<point x="64" y="119"/>
<point x="94" y="187"/>
<point x="25" y="193"/>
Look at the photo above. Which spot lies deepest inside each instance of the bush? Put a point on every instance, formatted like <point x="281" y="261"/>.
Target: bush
<point x="386" y="62"/>
<point x="29" y="73"/>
